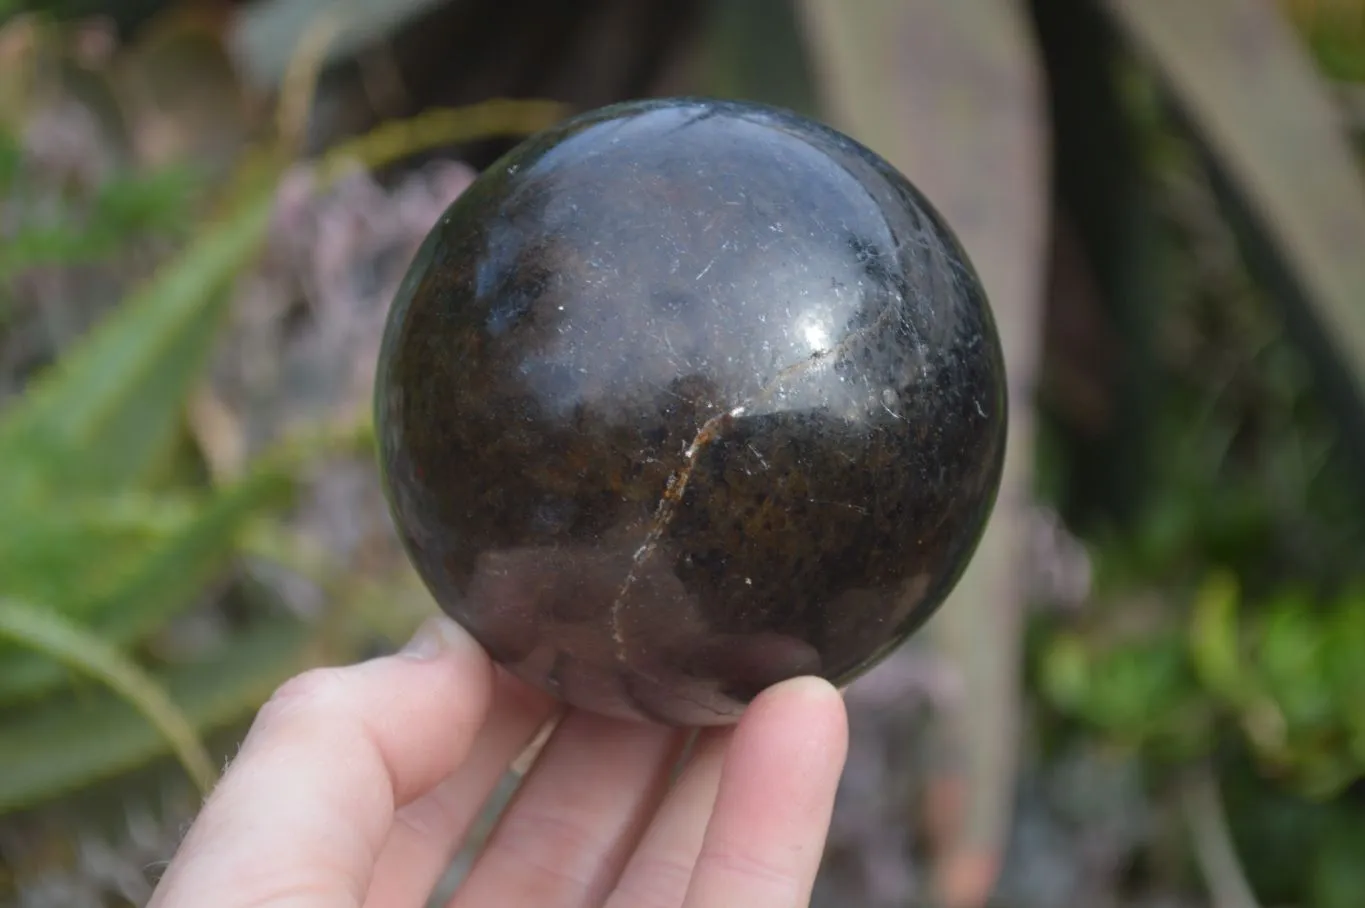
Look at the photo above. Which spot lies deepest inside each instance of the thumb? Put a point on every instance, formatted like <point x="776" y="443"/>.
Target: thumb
<point x="305" y="808"/>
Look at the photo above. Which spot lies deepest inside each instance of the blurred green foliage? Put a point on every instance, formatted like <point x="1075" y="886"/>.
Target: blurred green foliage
<point x="111" y="529"/>
<point x="95" y="537"/>
<point x="140" y="206"/>
<point x="1226" y="624"/>
<point x="1335" y="30"/>
<point x="1236" y="601"/>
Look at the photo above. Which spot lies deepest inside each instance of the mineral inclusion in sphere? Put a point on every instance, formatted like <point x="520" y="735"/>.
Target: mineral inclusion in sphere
<point x="683" y="398"/>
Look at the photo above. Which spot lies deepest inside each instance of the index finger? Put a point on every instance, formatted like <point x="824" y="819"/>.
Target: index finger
<point x="301" y="815"/>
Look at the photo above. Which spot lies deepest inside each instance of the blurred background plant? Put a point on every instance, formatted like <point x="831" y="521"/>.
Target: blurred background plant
<point x="1150" y="689"/>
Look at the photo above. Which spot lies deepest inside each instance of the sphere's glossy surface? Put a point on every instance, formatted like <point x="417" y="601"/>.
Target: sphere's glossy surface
<point x="683" y="398"/>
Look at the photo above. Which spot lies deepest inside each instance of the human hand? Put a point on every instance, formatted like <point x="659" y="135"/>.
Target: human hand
<point x="356" y="786"/>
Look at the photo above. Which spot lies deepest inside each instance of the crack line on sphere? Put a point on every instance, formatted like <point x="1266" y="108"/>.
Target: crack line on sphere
<point x="711" y="430"/>
<point x="663" y="514"/>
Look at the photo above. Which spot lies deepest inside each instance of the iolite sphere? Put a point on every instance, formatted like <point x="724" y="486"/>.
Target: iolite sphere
<point x="683" y="398"/>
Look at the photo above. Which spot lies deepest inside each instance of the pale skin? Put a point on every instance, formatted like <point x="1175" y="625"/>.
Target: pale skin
<point x="356" y="785"/>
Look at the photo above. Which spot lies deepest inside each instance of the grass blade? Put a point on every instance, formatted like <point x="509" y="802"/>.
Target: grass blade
<point x="47" y="751"/>
<point x="47" y="633"/>
<point x="104" y="413"/>
<point x="64" y="553"/>
<point x="397" y="139"/>
<point x="162" y="583"/>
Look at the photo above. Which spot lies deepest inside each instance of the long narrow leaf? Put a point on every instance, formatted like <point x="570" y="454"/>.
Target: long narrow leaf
<point x="103" y="414"/>
<point x="398" y="139"/>
<point x="47" y="633"/>
<point x="162" y="584"/>
<point x="66" y="553"/>
<point x="67" y="744"/>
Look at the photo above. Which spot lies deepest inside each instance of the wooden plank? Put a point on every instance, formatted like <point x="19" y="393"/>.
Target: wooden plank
<point x="951" y="94"/>
<point x="1253" y="98"/>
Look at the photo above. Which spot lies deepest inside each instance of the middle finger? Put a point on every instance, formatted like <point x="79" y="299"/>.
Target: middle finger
<point x="660" y="870"/>
<point x="562" y="841"/>
<point x="428" y="831"/>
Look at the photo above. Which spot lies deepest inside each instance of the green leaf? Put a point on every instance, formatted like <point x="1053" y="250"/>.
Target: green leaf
<point x="1285" y="170"/>
<point x="1291" y="658"/>
<point x="394" y="140"/>
<point x="101" y="417"/>
<point x="1214" y="641"/>
<point x="1139" y="688"/>
<point x="108" y="409"/>
<point x="1065" y="669"/>
<point x="48" y="633"/>
<point x="1338" y="876"/>
<point x="68" y="743"/>
<point x="162" y="583"/>
<point x="67" y="553"/>
<point x="127" y="208"/>
<point x="1344" y="641"/>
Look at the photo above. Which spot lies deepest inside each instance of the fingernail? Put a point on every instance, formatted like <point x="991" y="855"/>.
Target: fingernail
<point x="437" y="635"/>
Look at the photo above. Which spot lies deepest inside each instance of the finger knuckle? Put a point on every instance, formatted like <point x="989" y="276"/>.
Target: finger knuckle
<point x="314" y="690"/>
<point x="296" y="885"/>
<point x="658" y="881"/>
<point x="556" y="850"/>
<point x="771" y="871"/>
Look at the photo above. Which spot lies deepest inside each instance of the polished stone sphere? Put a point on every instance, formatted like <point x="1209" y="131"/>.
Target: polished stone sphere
<point x="683" y="398"/>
